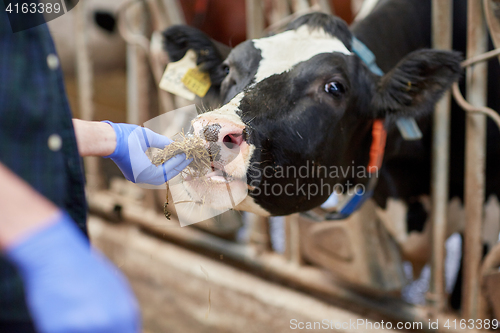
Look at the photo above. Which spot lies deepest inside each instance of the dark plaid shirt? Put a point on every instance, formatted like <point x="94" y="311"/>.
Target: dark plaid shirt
<point x="34" y="108"/>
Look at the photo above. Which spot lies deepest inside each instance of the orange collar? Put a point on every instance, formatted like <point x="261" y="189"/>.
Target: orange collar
<point x="379" y="136"/>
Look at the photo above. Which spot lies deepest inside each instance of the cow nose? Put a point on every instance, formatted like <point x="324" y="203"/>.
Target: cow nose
<point x="230" y="135"/>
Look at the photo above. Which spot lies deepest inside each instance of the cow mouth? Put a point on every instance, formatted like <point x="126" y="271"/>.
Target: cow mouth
<point x="218" y="175"/>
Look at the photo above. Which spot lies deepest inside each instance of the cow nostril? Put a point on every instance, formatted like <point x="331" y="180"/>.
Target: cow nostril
<point x="228" y="142"/>
<point x="232" y="140"/>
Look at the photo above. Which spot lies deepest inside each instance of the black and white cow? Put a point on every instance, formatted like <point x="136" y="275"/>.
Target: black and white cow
<point x="301" y="98"/>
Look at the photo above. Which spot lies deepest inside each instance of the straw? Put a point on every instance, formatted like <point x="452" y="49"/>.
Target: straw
<point x="194" y="147"/>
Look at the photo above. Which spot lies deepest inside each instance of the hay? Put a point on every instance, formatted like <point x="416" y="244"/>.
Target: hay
<point x="194" y="147"/>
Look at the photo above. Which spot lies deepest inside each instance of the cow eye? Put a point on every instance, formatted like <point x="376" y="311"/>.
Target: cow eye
<point x="335" y="88"/>
<point x="225" y="69"/>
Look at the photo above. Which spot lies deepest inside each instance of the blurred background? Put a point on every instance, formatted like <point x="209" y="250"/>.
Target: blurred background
<point x="236" y="272"/>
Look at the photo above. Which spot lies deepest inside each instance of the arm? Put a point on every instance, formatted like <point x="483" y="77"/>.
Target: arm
<point x="125" y="144"/>
<point x="17" y="221"/>
<point x="69" y="287"/>
<point x="94" y="138"/>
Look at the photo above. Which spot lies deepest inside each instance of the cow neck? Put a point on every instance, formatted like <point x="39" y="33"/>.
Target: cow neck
<point x="379" y="133"/>
<point x="395" y="29"/>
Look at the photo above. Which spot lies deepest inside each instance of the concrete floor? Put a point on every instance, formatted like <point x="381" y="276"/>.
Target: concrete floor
<point x="181" y="291"/>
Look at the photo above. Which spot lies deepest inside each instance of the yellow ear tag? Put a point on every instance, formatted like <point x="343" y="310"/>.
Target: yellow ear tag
<point x="197" y="81"/>
<point x="171" y="80"/>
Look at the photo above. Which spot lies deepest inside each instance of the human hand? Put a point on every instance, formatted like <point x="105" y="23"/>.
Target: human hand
<point x="69" y="287"/>
<point x="131" y="143"/>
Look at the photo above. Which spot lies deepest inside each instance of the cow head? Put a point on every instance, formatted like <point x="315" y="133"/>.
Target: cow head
<point x="298" y="108"/>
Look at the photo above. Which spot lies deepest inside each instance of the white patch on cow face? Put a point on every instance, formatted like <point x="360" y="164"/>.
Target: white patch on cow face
<point x="228" y="111"/>
<point x="226" y="114"/>
<point x="283" y="51"/>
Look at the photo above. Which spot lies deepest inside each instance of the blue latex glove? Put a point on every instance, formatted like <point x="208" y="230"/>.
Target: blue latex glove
<point x="70" y="288"/>
<point x="131" y="143"/>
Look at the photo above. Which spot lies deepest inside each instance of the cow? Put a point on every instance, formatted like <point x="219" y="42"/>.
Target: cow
<point x="302" y="99"/>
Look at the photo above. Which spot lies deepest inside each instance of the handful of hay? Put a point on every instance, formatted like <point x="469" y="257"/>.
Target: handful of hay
<point x="191" y="145"/>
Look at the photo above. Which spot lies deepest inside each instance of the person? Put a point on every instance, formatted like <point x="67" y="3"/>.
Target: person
<point x="50" y="278"/>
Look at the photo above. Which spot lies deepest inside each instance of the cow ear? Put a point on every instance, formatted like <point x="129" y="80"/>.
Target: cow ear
<point x="178" y="39"/>
<point x="416" y="83"/>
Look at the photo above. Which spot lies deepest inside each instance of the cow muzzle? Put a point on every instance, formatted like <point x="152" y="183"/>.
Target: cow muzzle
<point x="227" y="146"/>
<point x="225" y="185"/>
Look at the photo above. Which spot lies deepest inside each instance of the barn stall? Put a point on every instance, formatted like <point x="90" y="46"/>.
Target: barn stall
<point x="239" y="272"/>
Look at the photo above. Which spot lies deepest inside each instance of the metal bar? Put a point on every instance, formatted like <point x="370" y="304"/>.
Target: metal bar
<point x="83" y="65"/>
<point x="84" y="73"/>
<point x="156" y="53"/>
<point x="255" y="18"/>
<point x="474" y="162"/>
<point x="324" y="5"/>
<point x="482" y="57"/>
<point x="137" y="72"/>
<point x="132" y="85"/>
<point x="491" y="11"/>
<point x="441" y="39"/>
<point x="259" y="233"/>
<point x="457" y="95"/>
<point x="299" y="5"/>
<point x="292" y="242"/>
<point x="174" y="13"/>
<point x="280" y="9"/>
